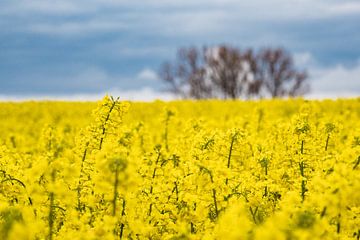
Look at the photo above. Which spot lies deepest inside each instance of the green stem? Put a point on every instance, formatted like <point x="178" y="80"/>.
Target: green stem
<point x="166" y="133"/>
<point x="302" y="147"/>
<point x="115" y="195"/>
<point x="231" y="149"/>
<point x="51" y="216"/>
<point x="105" y="122"/>
<point x="215" y="202"/>
<point x="265" y="191"/>
<point x="153" y="176"/>
<point x="78" y="189"/>
<point x="303" y="182"/>
<point x="122" y="225"/>
<point x="357" y="163"/>
<point x="230" y="153"/>
<point x="327" y="142"/>
<point x="192" y="228"/>
<point x="253" y="213"/>
<point x="323" y="212"/>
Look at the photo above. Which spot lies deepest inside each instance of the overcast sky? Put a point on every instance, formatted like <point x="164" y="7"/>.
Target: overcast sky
<point x="84" y="48"/>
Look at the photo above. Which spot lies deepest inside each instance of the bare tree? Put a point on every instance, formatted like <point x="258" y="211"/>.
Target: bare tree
<point x="187" y="77"/>
<point x="168" y="75"/>
<point x="253" y="77"/>
<point x="228" y="72"/>
<point x="279" y="75"/>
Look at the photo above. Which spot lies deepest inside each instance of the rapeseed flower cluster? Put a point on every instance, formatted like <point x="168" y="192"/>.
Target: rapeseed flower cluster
<point x="270" y="169"/>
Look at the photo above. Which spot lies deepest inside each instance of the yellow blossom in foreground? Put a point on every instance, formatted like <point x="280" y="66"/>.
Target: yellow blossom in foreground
<point x="254" y="170"/>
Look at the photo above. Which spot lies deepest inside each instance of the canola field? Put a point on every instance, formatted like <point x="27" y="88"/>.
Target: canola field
<point x="269" y="169"/>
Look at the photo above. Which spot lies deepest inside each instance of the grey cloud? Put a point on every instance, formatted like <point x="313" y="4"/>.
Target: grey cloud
<point x="309" y="7"/>
<point x="189" y="16"/>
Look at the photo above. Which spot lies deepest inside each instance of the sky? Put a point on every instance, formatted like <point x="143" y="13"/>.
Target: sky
<point x="82" y="49"/>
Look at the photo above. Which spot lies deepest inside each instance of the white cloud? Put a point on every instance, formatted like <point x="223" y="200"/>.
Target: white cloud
<point x="76" y="28"/>
<point x="345" y="8"/>
<point x="147" y="74"/>
<point x="194" y="22"/>
<point x="90" y="77"/>
<point x="143" y="95"/>
<point x="334" y="82"/>
<point x="135" y="52"/>
<point x="76" y="78"/>
<point x="304" y="59"/>
<point x="92" y="83"/>
<point x="274" y="7"/>
<point x="44" y="7"/>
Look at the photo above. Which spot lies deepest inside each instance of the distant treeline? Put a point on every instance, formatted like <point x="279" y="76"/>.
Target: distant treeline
<point x="230" y="73"/>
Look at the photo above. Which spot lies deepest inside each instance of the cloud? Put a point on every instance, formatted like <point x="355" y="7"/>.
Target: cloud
<point x="76" y="28"/>
<point x="23" y="7"/>
<point x="54" y="81"/>
<point x="77" y="78"/>
<point x="90" y="78"/>
<point x="61" y="17"/>
<point x="335" y="81"/>
<point x="275" y="8"/>
<point x="326" y="82"/>
<point x="67" y="46"/>
<point x="122" y="49"/>
<point x="345" y="8"/>
<point x="144" y="95"/>
<point x="304" y="59"/>
<point x="147" y="74"/>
